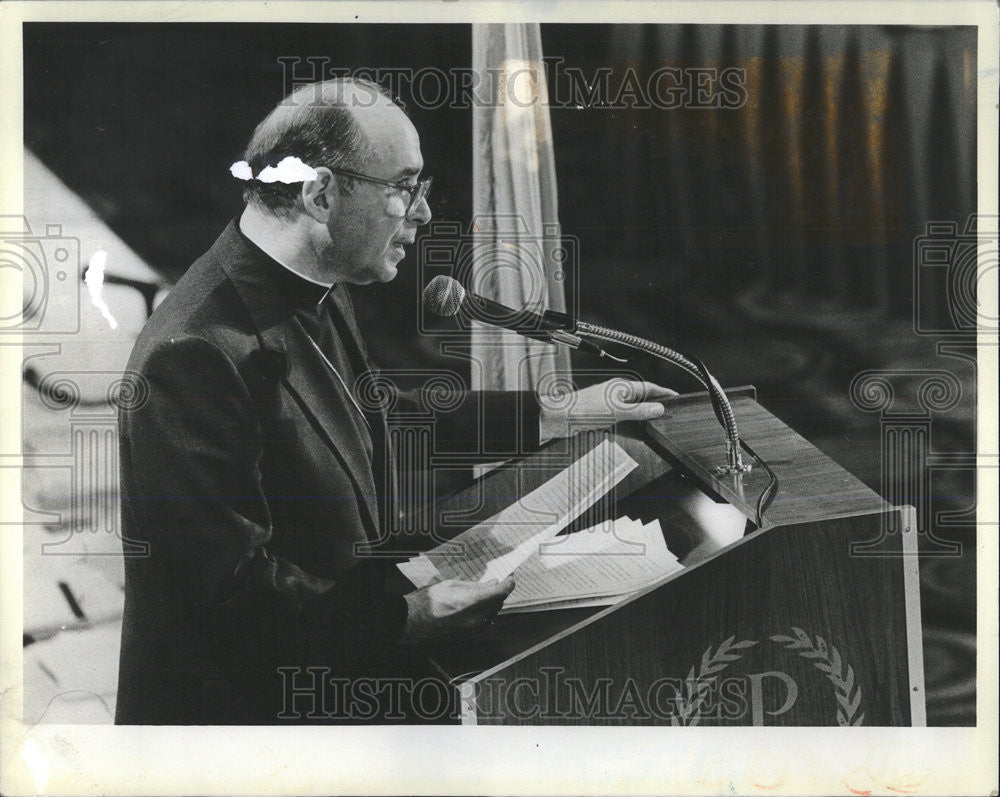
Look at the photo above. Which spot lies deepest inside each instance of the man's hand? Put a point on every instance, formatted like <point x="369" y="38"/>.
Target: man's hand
<point x="598" y="406"/>
<point x="453" y="606"/>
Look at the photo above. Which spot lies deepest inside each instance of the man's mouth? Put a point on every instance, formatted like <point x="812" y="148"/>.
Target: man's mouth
<point x="400" y="247"/>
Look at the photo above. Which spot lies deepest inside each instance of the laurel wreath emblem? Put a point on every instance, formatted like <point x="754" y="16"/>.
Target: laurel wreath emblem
<point x="826" y="658"/>
<point x="696" y="688"/>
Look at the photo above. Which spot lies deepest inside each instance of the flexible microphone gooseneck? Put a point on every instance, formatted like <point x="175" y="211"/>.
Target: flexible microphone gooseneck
<point x="446" y="296"/>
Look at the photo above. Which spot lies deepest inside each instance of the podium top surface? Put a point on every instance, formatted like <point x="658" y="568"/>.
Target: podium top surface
<point x="810" y="484"/>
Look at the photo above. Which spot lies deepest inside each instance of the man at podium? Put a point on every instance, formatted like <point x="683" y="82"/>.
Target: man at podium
<point x="253" y="472"/>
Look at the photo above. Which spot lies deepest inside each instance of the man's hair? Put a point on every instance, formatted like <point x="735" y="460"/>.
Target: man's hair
<point x="315" y="124"/>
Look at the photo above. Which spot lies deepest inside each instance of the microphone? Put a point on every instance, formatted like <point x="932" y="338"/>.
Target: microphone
<point x="445" y="296"/>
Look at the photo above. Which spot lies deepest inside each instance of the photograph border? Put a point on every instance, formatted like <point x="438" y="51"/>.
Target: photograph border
<point x="65" y="759"/>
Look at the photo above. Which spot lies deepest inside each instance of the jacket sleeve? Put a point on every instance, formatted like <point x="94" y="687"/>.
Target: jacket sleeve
<point x="488" y="425"/>
<point x="192" y="489"/>
<point x="491" y="424"/>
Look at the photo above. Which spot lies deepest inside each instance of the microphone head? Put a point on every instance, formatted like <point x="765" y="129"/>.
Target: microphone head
<point x="443" y="296"/>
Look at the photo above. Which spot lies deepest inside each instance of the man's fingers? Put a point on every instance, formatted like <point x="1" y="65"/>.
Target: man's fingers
<point x="641" y="412"/>
<point x="453" y="604"/>
<point x="620" y="393"/>
<point x="489" y="601"/>
<point x="650" y="390"/>
<point x="492" y="600"/>
<point x="496" y="589"/>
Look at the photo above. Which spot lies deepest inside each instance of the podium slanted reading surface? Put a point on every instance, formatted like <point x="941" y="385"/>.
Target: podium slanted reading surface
<point x="812" y="619"/>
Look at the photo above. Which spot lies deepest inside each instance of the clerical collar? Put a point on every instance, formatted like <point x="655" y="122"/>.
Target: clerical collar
<point x="301" y="290"/>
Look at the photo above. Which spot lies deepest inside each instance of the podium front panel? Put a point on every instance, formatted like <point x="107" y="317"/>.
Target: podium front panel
<point x="787" y="627"/>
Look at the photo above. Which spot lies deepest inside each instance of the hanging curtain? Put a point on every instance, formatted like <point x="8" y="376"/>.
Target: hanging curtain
<point x="517" y="257"/>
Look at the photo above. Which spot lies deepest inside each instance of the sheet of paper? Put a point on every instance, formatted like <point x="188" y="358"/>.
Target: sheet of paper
<point x="573" y="603"/>
<point x="419" y="571"/>
<point x="589" y="541"/>
<point x="496" y="547"/>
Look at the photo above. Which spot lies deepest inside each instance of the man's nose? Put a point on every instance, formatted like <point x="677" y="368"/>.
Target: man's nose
<point x="421" y="213"/>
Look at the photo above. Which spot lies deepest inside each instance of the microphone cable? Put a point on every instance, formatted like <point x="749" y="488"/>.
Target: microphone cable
<point x="768" y="493"/>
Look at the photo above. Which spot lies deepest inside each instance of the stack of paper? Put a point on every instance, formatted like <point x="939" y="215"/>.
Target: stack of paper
<point x="597" y="566"/>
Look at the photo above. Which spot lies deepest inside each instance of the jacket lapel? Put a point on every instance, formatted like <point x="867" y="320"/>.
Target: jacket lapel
<point x="308" y="379"/>
<point x="385" y="455"/>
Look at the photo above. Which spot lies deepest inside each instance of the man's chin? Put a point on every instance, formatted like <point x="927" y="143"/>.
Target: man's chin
<point x="387" y="273"/>
<point x="390" y="267"/>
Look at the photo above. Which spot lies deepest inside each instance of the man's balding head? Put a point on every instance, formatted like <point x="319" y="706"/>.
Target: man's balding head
<point x="332" y="226"/>
<point x="319" y="125"/>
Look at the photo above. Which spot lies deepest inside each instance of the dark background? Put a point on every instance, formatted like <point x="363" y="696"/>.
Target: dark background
<point x="776" y="241"/>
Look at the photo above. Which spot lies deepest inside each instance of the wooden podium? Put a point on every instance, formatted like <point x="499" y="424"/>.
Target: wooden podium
<point x="813" y="619"/>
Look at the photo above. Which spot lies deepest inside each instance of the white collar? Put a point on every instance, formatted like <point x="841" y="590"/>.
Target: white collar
<point x="328" y="285"/>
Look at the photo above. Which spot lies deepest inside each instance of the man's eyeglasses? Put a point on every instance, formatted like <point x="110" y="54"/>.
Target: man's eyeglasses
<point x="416" y="192"/>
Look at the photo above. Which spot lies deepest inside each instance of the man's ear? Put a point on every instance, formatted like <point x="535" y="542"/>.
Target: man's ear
<point x="320" y="195"/>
